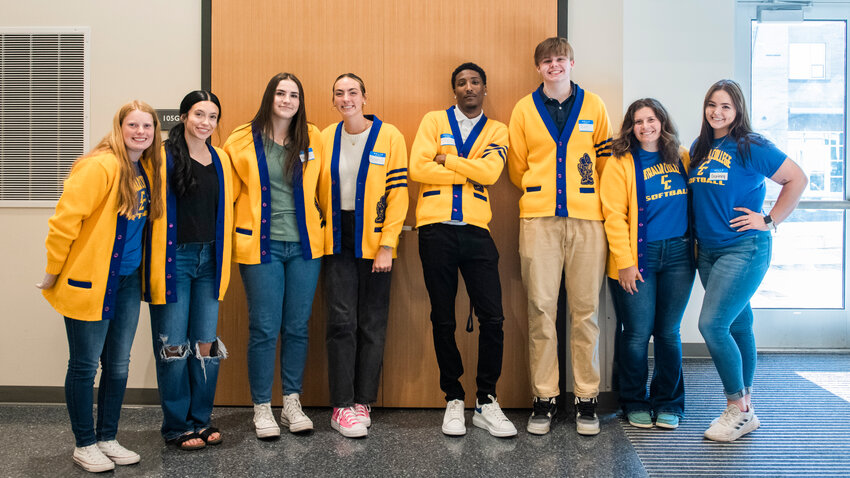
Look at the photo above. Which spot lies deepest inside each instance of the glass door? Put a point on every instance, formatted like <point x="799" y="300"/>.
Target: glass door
<point x="795" y="72"/>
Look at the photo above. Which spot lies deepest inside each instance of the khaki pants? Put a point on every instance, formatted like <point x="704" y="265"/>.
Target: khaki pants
<point x="578" y="247"/>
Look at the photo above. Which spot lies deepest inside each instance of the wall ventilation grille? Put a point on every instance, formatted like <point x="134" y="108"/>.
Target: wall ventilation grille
<point x="43" y="112"/>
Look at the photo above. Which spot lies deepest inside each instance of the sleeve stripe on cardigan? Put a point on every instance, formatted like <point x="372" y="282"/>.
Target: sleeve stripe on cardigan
<point x="502" y="151"/>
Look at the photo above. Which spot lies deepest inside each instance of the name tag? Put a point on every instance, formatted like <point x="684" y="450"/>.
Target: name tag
<point x="585" y="126"/>
<point x="377" y="158"/>
<point x="309" y="156"/>
<point x="447" y="140"/>
<point x="718" y="175"/>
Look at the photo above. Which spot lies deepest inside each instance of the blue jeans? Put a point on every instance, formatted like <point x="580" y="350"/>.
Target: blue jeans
<point x="730" y="276"/>
<point x="108" y="341"/>
<point x="186" y="379"/>
<point x="655" y="310"/>
<point x="280" y="300"/>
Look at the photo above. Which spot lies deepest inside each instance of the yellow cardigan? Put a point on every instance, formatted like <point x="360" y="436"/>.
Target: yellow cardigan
<point x="252" y="193"/>
<point x="85" y="240"/>
<point x="160" y="260"/>
<point x="457" y="191"/>
<point x="381" y="194"/>
<point x="621" y="210"/>
<point x="559" y="174"/>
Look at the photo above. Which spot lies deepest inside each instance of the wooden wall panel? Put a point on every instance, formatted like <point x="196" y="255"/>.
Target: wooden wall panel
<point x="405" y="51"/>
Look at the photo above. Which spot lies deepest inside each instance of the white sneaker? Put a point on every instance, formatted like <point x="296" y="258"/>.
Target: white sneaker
<point x="453" y="422"/>
<point x="363" y="413"/>
<point x="117" y="453"/>
<point x="92" y="459"/>
<point x="292" y="416"/>
<point x="732" y="424"/>
<point x="491" y="418"/>
<point x="264" y="422"/>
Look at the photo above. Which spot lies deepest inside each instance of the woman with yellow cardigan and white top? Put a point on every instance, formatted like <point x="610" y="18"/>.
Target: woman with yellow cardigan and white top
<point x="366" y="175"/>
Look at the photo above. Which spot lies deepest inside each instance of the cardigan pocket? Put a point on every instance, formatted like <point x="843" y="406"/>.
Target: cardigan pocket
<point x="79" y="284"/>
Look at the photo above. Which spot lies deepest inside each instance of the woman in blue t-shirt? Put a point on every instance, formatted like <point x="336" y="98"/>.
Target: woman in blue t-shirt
<point x="645" y="203"/>
<point x="93" y="278"/>
<point x="728" y="166"/>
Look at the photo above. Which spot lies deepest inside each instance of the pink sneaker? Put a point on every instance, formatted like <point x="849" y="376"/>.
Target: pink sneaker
<point x="362" y="412"/>
<point x="344" y="420"/>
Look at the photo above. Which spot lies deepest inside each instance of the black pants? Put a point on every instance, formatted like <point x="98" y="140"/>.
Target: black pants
<point x="358" y="303"/>
<point x="444" y="249"/>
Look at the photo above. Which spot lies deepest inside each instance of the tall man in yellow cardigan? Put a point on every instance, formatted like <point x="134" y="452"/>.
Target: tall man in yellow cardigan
<point x="560" y="138"/>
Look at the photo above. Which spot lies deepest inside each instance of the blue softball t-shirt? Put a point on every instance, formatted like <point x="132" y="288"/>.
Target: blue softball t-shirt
<point x="666" y="197"/>
<point x="722" y="182"/>
<point x="132" y="257"/>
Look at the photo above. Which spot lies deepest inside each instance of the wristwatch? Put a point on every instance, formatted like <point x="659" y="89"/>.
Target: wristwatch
<point x="768" y="221"/>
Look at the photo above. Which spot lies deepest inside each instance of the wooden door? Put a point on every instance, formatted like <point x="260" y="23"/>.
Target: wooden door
<point x="405" y="52"/>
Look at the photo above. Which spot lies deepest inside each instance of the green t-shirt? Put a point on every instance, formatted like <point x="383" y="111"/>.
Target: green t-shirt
<point x="284" y="224"/>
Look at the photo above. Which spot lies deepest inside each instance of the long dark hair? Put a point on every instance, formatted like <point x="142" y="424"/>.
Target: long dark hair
<point x="182" y="180"/>
<point x="668" y="143"/>
<point x="299" y="140"/>
<point x="740" y="130"/>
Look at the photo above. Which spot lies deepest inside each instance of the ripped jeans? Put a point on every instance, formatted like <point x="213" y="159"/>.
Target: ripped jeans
<point x="187" y="378"/>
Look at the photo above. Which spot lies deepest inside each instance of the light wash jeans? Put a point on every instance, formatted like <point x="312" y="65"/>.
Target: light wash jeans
<point x="280" y="300"/>
<point x="731" y="275"/>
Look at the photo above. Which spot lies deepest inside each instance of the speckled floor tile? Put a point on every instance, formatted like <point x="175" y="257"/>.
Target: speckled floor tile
<point x="36" y="440"/>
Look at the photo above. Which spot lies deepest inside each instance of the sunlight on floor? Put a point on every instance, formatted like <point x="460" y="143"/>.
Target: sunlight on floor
<point x="837" y="383"/>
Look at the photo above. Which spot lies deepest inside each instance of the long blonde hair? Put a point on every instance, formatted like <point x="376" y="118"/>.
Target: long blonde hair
<point x="128" y="202"/>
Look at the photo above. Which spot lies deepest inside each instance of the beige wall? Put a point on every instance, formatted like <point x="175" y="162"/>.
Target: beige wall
<point x="669" y="56"/>
<point x="150" y="51"/>
<point x="625" y="49"/>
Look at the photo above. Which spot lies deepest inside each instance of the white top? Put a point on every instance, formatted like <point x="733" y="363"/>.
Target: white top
<point x="466" y="124"/>
<point x="350" y="153"/>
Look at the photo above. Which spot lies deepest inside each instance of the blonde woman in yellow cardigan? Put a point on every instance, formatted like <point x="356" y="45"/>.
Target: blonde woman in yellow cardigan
<point x="650" y="261"/>
<point x="366" y="174"/>
<point x="94" y="252"/>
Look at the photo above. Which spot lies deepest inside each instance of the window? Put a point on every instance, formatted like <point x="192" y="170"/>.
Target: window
<point x="806" y="61"/>
<point x="795" y="72"/>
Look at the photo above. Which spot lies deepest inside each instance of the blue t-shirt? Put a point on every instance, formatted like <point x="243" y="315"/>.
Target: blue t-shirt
<point x="132" y="256"/>
<point x="666" y="198"/>
<point x="722" y="182"/>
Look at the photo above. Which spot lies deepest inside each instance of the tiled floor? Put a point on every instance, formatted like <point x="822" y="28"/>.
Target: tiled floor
<point x="802" y="401"/>
<point x="37" y="441"/>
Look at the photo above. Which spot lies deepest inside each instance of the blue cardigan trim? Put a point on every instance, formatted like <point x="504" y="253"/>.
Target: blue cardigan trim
<point x="640" y="190"/>
<point x="265" y="196"/>
<point x="561" y="142"/>
<point x="463" y="148"/>
<point x="360" y="190"/>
